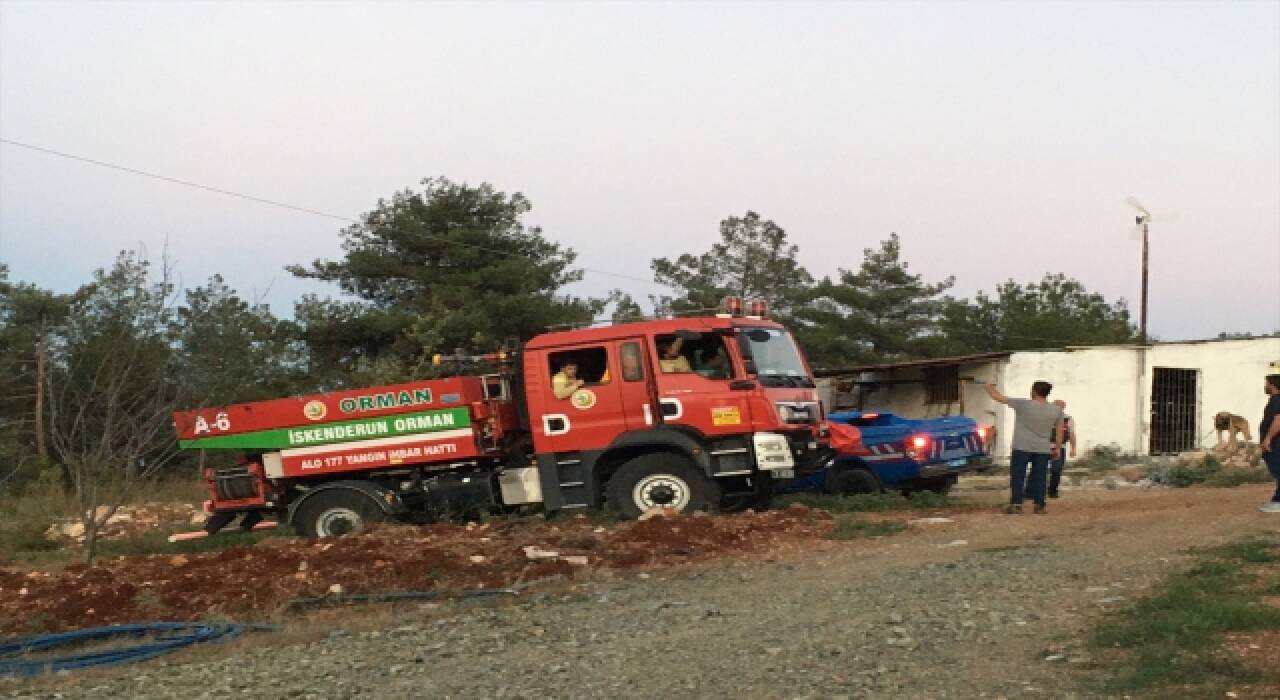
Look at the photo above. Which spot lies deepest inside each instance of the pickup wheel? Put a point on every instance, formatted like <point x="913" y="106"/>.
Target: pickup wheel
<point x="848" y="482"/>
<point x="661" y="480"/>
<point x="336" y="512"/>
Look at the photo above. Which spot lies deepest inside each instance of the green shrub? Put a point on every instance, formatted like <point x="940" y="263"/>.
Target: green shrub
<point x="26" y="517"/>
<point x="1179" y="474"/>
<point x="1171" y="639"/>
<point x="852" y="528"/>
<point x="1238" y="477"/>
<point x="867" y="502"/>
<point x="926" y="500"/>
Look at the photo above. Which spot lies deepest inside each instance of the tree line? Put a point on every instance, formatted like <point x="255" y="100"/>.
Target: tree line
<point x="87" y="378"/>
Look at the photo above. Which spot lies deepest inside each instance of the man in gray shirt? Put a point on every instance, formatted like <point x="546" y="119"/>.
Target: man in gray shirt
<point x="1034" y="442"/>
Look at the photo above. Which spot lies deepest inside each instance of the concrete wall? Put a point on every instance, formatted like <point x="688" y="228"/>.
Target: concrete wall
<point x="1100" y="386"/>
<point x="1231" y="373"/>
<point x="1107" y="389"/>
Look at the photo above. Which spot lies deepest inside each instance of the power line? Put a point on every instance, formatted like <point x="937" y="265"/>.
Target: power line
<point x="284" y="205"/>
<point x="346" y="219"/>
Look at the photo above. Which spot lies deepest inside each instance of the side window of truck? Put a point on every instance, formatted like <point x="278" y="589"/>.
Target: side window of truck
<point x="632" y="362"/>
<point x="707" y="356"/>
<point x="572" y="369"/>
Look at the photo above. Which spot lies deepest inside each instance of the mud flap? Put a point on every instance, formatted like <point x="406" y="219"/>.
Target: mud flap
<point x="219" y="520"/>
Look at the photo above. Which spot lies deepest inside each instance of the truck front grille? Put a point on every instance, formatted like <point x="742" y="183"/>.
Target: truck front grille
<point x="234" y="483"/>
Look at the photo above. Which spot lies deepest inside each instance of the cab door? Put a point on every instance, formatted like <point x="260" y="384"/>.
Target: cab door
<point x="699" y="390"/>
<point x="592" y="415"/>
<point x="635" y="385"/>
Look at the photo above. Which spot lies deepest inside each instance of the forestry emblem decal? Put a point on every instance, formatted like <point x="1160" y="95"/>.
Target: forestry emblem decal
<point x="583" y="399"/>
<point x="315" y="410"/>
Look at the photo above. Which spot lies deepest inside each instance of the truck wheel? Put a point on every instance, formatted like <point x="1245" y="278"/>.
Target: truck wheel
<point x="848" y="482"/>
<point x="661" y="481"/>
<point x="336" y="512"/>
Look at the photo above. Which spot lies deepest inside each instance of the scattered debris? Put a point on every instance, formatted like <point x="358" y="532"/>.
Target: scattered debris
<point x="248" y="581"/>
<point x="129" y="521"/>
<point x="533" y="551"/>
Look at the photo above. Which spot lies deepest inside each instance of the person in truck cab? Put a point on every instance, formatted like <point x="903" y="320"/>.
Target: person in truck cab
<point x="714" y="364"/>
<point x="672" y="361"/>
<point x="566" y="381"/>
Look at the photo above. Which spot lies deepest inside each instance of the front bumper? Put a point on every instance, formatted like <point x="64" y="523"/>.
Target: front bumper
<point x="809" y="454"/>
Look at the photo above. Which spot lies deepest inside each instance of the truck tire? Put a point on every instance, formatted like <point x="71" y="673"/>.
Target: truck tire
<point x="336" y="512"/>
<point x="662" y="480"/>
<point x="848" y="482"/>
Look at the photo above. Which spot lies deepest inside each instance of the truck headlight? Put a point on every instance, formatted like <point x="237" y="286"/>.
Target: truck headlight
<point x="798" y="412"/>
<point x="772" y="451"/>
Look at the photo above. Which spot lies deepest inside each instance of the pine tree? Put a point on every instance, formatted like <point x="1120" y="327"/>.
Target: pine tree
<point x="450" y="266"/>
<point x="879" y="312"/>
<point x="752" y="260"/>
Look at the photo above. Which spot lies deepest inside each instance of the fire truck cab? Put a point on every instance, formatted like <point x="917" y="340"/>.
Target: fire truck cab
<point x="685" y="413"/>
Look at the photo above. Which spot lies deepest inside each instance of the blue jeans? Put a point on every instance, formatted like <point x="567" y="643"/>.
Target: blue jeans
<point x="1018" y="461"/>
<point x="1272" y="458"/>
<point x="1056" y="467"/>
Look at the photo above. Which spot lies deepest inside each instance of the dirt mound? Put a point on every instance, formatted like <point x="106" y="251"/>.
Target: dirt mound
<point x="256" y="582"/>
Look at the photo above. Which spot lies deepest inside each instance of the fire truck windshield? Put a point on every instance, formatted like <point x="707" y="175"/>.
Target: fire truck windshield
<point x="774" y="357"/>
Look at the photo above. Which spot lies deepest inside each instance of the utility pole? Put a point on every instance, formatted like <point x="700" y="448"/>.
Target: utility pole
<point x="1142" y="330"/>
<point x="1141" y="230"/>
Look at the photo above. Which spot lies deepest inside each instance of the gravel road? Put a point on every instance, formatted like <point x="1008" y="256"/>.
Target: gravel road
<point x="984" y="606"/>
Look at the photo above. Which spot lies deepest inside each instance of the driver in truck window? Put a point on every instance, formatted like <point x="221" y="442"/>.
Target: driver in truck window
<point x="714" y="365"/>
<point x="566" y="381"/>
<point x="672" y="361"/>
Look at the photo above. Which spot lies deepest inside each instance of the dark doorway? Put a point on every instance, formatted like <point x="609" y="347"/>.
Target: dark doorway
<point x="1174" y="408"/>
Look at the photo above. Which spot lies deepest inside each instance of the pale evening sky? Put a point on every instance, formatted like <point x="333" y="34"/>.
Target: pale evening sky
<point x="998" y="139"/>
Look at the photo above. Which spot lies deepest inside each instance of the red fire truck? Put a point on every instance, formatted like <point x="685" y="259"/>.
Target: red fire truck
<point x="688" y="414"/>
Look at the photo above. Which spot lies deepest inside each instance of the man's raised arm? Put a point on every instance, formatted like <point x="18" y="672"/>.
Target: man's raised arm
<point x="995" y="394"/>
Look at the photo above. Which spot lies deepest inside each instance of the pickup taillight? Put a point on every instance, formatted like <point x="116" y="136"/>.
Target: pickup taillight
<point x="986" y="437"/>
<point x="918" y="447"/>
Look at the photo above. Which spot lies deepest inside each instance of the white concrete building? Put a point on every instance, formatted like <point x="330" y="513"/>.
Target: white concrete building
<point x="1154" y="399"/>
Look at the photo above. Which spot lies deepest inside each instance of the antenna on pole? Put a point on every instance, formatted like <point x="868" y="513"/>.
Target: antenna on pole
<point x="1142" y="232"/>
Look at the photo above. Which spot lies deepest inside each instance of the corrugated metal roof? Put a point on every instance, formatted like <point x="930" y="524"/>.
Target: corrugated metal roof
<point x="931" y="362"/>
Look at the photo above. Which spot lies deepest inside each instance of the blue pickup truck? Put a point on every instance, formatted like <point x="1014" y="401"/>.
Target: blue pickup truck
<point x="902" y="454"/>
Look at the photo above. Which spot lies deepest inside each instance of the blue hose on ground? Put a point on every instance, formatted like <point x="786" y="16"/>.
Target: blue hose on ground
<point x="165" y="637"/>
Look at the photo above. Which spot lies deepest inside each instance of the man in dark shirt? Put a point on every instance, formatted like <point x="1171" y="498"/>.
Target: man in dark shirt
<point x="1269" y="438"/>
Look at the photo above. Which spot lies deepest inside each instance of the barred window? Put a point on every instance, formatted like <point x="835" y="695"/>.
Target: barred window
<point x="942" y="384"/>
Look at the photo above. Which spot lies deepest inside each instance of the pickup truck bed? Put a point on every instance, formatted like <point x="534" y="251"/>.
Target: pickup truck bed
<point x="902" y="454"/>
